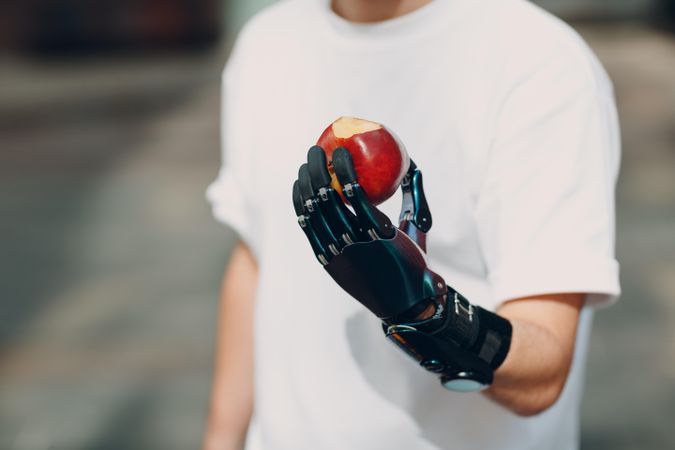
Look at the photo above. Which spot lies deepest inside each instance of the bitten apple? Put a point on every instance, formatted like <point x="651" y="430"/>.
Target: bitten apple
<point x="380" y="159"/>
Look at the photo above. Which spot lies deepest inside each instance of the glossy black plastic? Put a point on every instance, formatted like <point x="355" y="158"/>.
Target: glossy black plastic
<point x="388" y="276"/>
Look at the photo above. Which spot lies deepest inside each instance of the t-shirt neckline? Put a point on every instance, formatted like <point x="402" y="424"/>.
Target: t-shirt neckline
<point x="417" y="22"/>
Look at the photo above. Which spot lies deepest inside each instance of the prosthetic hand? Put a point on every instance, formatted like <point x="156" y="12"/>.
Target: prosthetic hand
<point x="384" y="268"/>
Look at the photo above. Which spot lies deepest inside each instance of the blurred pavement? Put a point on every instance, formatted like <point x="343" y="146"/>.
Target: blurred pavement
<point x="110" y="262"/>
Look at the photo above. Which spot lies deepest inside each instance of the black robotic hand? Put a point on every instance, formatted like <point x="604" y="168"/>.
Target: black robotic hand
<point x="384" y="267"/>
<point x="378" y="264"/>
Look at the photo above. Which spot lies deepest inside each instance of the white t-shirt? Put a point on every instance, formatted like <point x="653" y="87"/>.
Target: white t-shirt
<point x="512" y="121"/>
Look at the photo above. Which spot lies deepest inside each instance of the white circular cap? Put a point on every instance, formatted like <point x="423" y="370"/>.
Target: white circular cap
<point x="464" y="385"/>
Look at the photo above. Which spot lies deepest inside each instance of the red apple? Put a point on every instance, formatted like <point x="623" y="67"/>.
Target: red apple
<point x="380" y="159"/>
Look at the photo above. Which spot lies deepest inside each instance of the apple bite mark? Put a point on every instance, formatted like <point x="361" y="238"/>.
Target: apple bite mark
<point x="346" y="127"/>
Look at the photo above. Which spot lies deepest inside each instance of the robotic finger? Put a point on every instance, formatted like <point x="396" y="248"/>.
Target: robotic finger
<point x="341" y="220"/>
<point x="415" y="218"/>
<point x="320" y="251"/>
<point x="371" y="219"/>
<point x="315" y="217"/>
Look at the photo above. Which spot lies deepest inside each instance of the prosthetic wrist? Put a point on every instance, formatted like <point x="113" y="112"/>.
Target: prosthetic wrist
<point x="462" y="343"/>
<point x="385" y="269"/>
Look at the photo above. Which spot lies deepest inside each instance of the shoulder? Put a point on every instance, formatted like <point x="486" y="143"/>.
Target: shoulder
<point x="529" y="40"/>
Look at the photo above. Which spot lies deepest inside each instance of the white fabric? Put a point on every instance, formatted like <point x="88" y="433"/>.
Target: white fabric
<point x="512" y="121"/>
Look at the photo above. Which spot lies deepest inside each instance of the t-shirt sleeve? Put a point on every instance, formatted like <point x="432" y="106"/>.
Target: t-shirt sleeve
<point x="545" y="210"/>
<point x="229" y="194"/>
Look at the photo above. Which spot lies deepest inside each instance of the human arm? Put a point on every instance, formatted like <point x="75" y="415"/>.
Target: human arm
<point x="542" y="345"/>
<point x="232" y="390"/>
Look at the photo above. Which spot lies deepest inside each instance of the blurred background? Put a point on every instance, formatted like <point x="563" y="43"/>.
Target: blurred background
<point x="110" y="262"/>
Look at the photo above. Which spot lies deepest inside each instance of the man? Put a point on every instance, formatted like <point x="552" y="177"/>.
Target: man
<point x="511" y="119"/>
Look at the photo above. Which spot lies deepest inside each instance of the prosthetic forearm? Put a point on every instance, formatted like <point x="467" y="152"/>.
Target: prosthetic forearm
<point x="385" y="269"/>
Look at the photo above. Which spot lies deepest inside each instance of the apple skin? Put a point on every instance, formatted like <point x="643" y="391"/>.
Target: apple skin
<point x="380" y="159"/>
